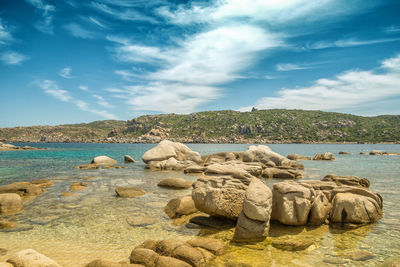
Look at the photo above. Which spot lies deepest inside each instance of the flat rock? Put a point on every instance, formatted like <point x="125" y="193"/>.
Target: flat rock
<point x="176" y="183"/>
<point x="67" y="194"/>
<point x="324" y="156"/>
<point x="347" y="180"/>
<point x="6" y="224"/>
<point x="43" y="182"/>
<point x="10" y="203"/>
<point x="361" y="255"/>
<point x="31" y="258"/>
<point x="140" y="221"/>
<point x="180" y="206"/>
<point x="297" y="157"/>
<point x="292" y="245"/>
<point x="344" y="153"/>
<point x="78" y="186"/>
<point x="129" y="191"/>
<point x="23" y="189"/>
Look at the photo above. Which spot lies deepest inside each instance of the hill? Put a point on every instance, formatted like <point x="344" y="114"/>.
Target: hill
<point x="258" y="126"/>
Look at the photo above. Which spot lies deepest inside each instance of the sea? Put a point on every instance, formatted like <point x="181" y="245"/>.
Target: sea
<point x="93" y="223"/>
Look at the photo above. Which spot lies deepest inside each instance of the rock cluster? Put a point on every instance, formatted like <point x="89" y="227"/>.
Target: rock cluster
<point x="10" y="147"/>
<point x="98" y="162"/>
<point x="383" y="153"/>
<point x="324" y="156"/>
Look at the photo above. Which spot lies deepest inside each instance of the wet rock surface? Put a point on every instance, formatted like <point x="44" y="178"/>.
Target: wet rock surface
<point x="129" y="191"/>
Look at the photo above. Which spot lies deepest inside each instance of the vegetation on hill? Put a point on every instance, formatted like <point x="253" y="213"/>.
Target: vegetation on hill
<point x="258" y="126"/>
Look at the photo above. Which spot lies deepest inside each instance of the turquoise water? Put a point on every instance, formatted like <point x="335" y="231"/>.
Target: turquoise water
<point x="92" y="223"/>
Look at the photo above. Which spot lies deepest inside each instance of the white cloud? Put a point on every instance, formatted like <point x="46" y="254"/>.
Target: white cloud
<point x="354" y="89"/>
<point x="46" y="24"/>
<point x="13" y="58"/>
<point x="78" y="31"/>
<point x="65" y="73"/>
<point x="126" y="75"/>
<point x="5" y="34"/>
<point x="392" y="29"/>
<point x="348" y="43"/>
<point x="97" y="22"/>
<point x="102" y="102"/>
<point x="51" y="87"/>
<point x="125" y="13"/>
<point x="83" y="87"/>
<point x="271" y="77"/>
<point x="290" y="67"/>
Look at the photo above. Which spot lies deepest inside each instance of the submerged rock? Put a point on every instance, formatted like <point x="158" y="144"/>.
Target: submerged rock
<point x="140" y="221"/>
<point x="324" y="156"/>
<point x="129" y="191"/>
<point x="31" y="258"/>
<point x="7" y="224"/>
<point x="10" y="203"/>
<point x="291" y="244"/>
<point x="213" y="222"/>
<point x="361" y="255"/>
<point x="344" y="153"/>
<point x="78" y="186"/>
<point x="180" y="206"/>
<point x="177" y="183"/>
<point x="24" y="189"/>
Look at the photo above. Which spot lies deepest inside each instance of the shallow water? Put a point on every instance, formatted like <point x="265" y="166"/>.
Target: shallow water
<point x="93" y="223"/>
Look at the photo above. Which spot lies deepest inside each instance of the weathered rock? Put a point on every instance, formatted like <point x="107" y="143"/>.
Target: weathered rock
<point x="291" y="203"/>
<point x="324" y="156"/>
<point x="279" y="173"/>
<point x="264" y="154"/>
<point x="291" y="245"/>
<point x="167" y="149"/>
<point x="320" y="209"/>
<point x="7" y="224"/>
<point x="144" y="256"/>
<point x="91" y="166"/>
<point x="169" y="164"/>
<point x="165" y="261"/>
<point x="177" y="183"/>
<point x="355" y="205"/>
<point x="149" y="244"/>
<point x="237" y="170"/>
<point x="376" y="152"/>
<point x="167" y="246"/>
<point x="222" y="157"/>
<point x="43" y="182"/>
<point x="3" y="251"/>
<point x="189" y="254"/>
<point x="129" y="159"/>
<point x="361" y="255"/>
<point x="129" y="191"/>
<point x="253" y="223"/>
<point x="347" y="180"/>
<point x="67" y="194"/>
<point x="344" y="153"/>
<point x="194" y="168"/>
<point x="213" y="222"/>
<point x="215" y="246"/>
<point x="10" y="203"/>
<point x="220" y="196"/>
<point x="363" y="153"/>
<point x="297" y="157"/>
<point x="180" y="206"/>
<point x="104" y="160"/>
<point x="22" y="188"/>
<point x="78" y="186"/>
<point x="107" y="263"/>
<point x="31" y="258"/>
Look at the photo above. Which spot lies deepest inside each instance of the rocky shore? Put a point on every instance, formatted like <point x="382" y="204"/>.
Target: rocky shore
<point x="230" y="193"/>
<point x="9" y="147"/>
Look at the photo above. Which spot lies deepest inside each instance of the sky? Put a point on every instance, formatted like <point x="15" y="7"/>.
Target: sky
<point x="70" y="61"/>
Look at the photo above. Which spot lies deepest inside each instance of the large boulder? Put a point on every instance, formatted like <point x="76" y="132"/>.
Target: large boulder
<point x="253" y="222"/>
<point x="180" y="206"/>
<point x="176" y="183"/>
<point x="235" y="169"/>
<point x="292" y="203"/>
<point x="169" y="164"/>
<point x="31" y="258"/>
<point x="264" y="155"/>
<point x="220" y="195"/>
<point x="104" y="160"/>
<point x="24" y="189"/>
<point x="222" y="157"/>
<point x="10" y="203"/>
<point x="324" y="156"/>
<point x="347" y="180"/>
<point x="167" y="149"/>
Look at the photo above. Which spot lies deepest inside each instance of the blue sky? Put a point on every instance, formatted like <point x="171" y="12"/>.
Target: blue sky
<point x="78" y="61"/>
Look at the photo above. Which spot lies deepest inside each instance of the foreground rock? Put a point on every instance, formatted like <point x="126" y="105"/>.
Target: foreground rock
<point x="129" y="159"/>
<point x="171" y="252"/>
<point x="78" y="186"/>
<point x="10" y="203"/>
<point x="129" y="191"/>
<point x="180" y="206"/>
<point x="24" y="189"/>
<point x="291" y="245"/>
<point x="107" y="263"/>
<point x="103" y="160"/>
<point x="253" y="222"/>
<point x="176" y="183"/>
<point x="324" y="156"/>
<point x="31" y="258"/>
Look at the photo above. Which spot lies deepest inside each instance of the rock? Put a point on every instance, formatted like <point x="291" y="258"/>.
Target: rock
<point x="7" y="224"/>
<point x="104" y="160"/>
<point x="194" y="168"/>
<point x="264" y="154"/>
<point x="107" y="263"/>
<point x="5" y="264"/>
<point x="169" y="164"/>
<point x="376" y="152"/>
<point x="235" y="170"/>
<point x="347" y="180"/>
<point x="67" y="194"/>
<point x="355" y="207"/>
<point x="215" y="246"/>
<point x="297" y="157"/>
<point x="165" y="261"/>
<point x="129" y="191"/>
<point x="361" y="255"/>
<point x="291" y="245"/>
<point x="167" y="149"/>
<point x="344" y="153"/>
<point x="149" y="244"/>
<point x="78" y="186"/>
<point x="177" y="183"/>
<point x="363" y="153"/>
<point x="144" y="256"/>
<point x="291" y="203"/>
<point x="3" y="251"/>
<point x="189" y="254"/>
<point x="253" y="222"/>
<point x="22" y="188"/>
<point x="213" y="222"/>
<point x="31" y="258"/>
<point x="91" y="166"/>
<point x="320" y="209"/>
<point x="380" y="153"/>
<point x="222" y="157"/>
<point x="281" y="173"/>
<point x="10" y="203"/>
<point x="129" y="159"/>
<point x="43" y="182"/>
<point x="220" y="196"/>
<point x="324" y="156"/>
<point x="140" y="221"/>
<point x="179" y="206"/>
<point x="167" y="246"/>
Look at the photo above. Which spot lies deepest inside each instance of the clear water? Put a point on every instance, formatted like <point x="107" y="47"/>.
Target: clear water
<point x="93" y="222"/>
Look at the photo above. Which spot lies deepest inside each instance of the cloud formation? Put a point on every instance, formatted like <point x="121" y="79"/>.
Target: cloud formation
<point x="13" y="58"/>
<point x="290" y="67"/>
<point x="349" y="90"/>
<point x="78" y="31"/>
<point x="66" y="73"/>
<point x="44" y="25"/>
<point x="5" y="33"/>
<point x="348" y="43"/>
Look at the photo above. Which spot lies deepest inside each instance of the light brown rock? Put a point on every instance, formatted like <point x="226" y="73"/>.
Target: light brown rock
<point x="297" y="157"/>
<point x="165" y="261"/>
<point x="104" y="160"/>
<point x="144" y="256"/>
<point x="167" y="149"/>
<point x="22" y="188"/>
<point x="107" y="263"/>
<point x="78" y="186"/>
<point x="129" y="191"/>
<point x="7" y="225"/>
<point x="347" y="180"/>
<point x="31" y="258"/>
<point x="129" y="159"/>
<point x="291" y="245"/>
<point x="180" y="206"/>
<point x="324" y="156"/>
<point x="264" y="154"/>
<point x="281" y="173"/>
<point x="177" y="183"/>
<point x="10" y="203"/>
<point x="215" y="246"/>
<point x="43" y="182"/>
